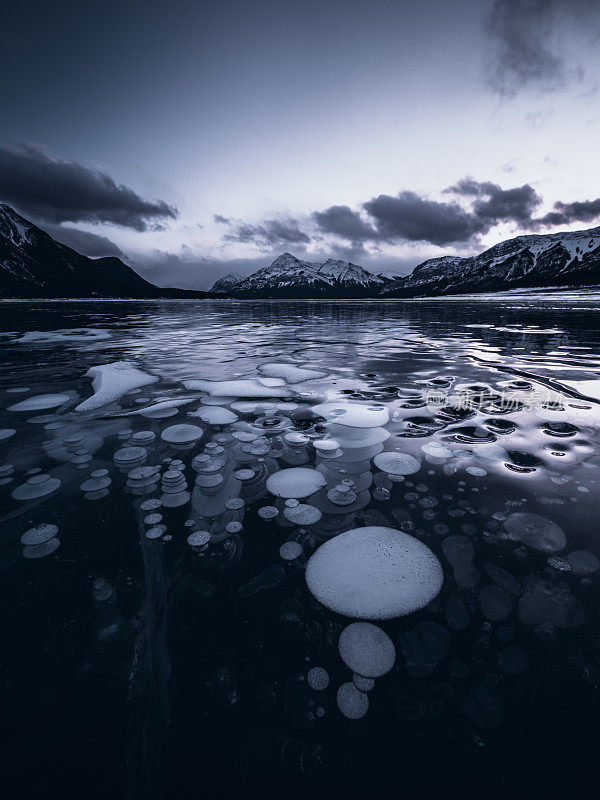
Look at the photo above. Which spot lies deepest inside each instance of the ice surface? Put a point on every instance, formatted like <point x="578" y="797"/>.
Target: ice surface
<point x="112" y="381"/>
<point x="374" y="573"/>
<point x="353" y="415"/>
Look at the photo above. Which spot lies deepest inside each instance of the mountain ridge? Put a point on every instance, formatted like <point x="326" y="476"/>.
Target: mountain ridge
<point x="34" y="265"/>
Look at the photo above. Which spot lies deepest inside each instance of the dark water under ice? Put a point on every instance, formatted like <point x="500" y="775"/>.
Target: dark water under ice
<point x="145" y="667"/>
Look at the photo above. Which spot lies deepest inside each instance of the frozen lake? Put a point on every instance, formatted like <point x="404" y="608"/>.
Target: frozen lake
<point x="158" y="633"/>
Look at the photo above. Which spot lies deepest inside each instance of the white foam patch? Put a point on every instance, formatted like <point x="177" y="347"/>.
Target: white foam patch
<point x="374" y="573"/>
<point x="112" y="381"/>
<point x="297" y="482"/>
<point x="290" y="373"/>
<point x="248" y="387"/>
<point x="367" y="650"/>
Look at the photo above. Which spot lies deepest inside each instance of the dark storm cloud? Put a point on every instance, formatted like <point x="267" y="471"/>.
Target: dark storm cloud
<point x="58" y="191"/>
<point x="90" y="244"/>
<point x="220" y="219"/>
<point x="345" y="223"/>
<point x="414" y="218"/>
<point x="524" y="36"/>
<point x="269" y="233"/>
<point x="568" y="213"/>
<point x="496" y="204"/>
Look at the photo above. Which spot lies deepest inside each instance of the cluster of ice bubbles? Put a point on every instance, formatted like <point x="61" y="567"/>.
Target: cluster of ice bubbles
<point x="256" y="450"/>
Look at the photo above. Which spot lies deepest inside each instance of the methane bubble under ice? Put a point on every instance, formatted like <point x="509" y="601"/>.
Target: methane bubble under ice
<point x="366" y="649"/>
<point x="297" y="482"/>
<point x="374" y="573"/>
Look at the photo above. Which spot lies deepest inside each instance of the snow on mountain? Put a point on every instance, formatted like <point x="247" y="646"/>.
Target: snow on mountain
<point x="555" y="259"/>
<point x="289" y="276"/>
<point x="226" y="283"/>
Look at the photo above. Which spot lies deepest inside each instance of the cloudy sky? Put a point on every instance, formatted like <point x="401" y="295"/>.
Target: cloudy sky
<point x="201" y="138"/>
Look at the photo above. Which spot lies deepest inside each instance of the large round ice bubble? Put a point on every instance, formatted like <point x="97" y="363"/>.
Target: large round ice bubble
<point x="297" y="482"/>
<point x="374" y="573"/>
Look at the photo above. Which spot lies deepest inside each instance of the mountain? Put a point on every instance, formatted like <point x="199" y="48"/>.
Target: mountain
<point x="567" y="259"/>
<point x="226" y="283"/>
<point x="33" y="264"/>
<point x="289" y="277"/>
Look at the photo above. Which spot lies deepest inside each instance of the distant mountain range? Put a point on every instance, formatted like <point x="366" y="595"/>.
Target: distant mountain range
<point x="561" y="260"/>
<point x="33" y="264"/>
<point x="290" y="277"/>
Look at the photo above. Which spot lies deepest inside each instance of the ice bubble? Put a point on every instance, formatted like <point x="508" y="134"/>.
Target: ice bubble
<point x="39" y="534"/>
<point x="535" y="531"/>
<point x="112" y="381"/>
<point x="456" y="613"/>
<point x="214" y="415"/>
<point x="290" y="373"/>
<point x="215" y="400"/>
<point x="461" y="555"/>
<point x="318" y="678"/>
<point x="353" y="415"/>
<point x="142" y="438"/>
<point x="199" y="538"/>
<point x="366" y="649"/>
<point x="37" y="486"/>
<point x="41" y="550"/>
<point x="302" y="514"/>
<point x="397" y="463"/>
<point x="156" y="532"/>
<point x="182" y="434"/>
<point x="244" y="474"/>
<point x="342" y="495"/>
<point x="424" y="647"/>
<point x="268" y="579"/>
<point x="326" y="445"/>
<point x="152" y="519"/>
<point x="290" y="551"/>
<point x="40" y="402"/>
<point x="494" y="603"/>
<point x="363" y="684"/>
<point x="296" y="438"/>
<point x="150" y="505"/>
<point x="238" y="388"/>
<point x="6" y="433"/>
<point x="436" y="450"/>
<point x="271" y="381"/>
<point x="95" y="484"/>
<point x="351" y="702"/>
<point x="546" y="603"/>
<point x="233" y="527"/>
<point x="234" y="503"/>
<point x="374" y="573"/>
<point x="296" y="482"/>
<point x="268" y="512"/>
<point x="477" y="472"/>
<point x="513" y="660"/>
<point x="169" y="408"/>
<point x="583" y="562"/>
